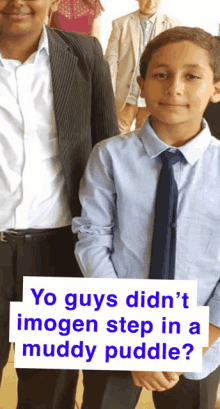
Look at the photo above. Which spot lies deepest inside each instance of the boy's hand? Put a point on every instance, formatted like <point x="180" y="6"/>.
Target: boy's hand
<point x="155" y="381"/>
<point x="170" y="375"/>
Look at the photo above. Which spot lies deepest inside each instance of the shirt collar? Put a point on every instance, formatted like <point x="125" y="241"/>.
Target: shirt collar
<point x="192" y="151"/>
<point x="43" y="45"/>
<point x="145" y="19"/>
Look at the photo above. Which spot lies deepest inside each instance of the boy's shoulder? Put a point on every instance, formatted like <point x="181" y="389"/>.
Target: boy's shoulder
<point x="117" y="151"/>
<point x="68" y="35"/>
<point x="133" y="143"/>
<point x="172" y="21"/>
<point x="119" y="141"/>
<point x="215" y="143"/>
<point x="212" y="154"/>
<point x="119" y="148"/>
<point x="121" y="20"/>
<point x="169" y="20"/>
<point x="81" y="45"/>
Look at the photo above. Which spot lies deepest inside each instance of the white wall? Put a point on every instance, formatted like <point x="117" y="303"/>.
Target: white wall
<point x="194" y="13"/>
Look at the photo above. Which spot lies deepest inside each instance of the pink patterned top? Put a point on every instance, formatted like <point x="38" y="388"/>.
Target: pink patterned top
<point x="75" y="15"/>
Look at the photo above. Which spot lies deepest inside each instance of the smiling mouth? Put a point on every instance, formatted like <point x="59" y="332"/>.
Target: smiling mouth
<point x="16" y="17"/>
<point x="16" y="14"/>
<point x="171" y="105"/>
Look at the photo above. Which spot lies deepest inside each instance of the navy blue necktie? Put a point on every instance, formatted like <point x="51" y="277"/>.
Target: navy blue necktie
<point x="164" y="236"/>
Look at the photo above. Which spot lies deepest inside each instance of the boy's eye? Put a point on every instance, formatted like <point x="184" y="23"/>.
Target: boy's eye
<point x="160" y="75"/>
<point x="192" y="76"/>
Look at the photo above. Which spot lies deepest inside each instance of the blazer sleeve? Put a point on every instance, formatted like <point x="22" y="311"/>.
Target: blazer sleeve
<point x="103" y="117"/>
<point x="112" y="52"/>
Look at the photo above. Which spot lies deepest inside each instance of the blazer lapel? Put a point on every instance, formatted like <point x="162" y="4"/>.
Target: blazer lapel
<point x="63" y="66"/>
<point x="135" y="33"/>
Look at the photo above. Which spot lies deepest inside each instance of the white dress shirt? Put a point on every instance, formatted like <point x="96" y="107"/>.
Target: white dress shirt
<point x="32" y="186"/>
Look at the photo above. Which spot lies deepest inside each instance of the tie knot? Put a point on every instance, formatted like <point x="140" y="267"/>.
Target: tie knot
<point x="170" y="158"/>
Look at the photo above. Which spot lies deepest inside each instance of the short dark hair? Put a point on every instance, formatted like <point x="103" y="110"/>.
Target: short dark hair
<point x="176" y="34"/>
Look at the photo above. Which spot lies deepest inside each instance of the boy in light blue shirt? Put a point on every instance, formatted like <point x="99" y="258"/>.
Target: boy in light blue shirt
<point x="180" y="76"/>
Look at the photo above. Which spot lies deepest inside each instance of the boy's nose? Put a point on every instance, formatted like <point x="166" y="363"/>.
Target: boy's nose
<point x="18" y="3"/>
<point x="175" y="86"/>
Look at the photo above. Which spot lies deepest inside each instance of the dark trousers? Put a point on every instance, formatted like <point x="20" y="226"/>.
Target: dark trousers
<point x="94" y="383"/>
<point x="120" y="393"/>
<point x="190" y="394"/>
<point x="54" y="256"/>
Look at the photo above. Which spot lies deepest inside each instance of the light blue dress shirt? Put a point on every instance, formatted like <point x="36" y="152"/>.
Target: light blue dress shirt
<point x="118" y="192"/>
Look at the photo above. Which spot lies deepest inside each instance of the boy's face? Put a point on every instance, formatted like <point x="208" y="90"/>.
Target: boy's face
<point x="148" y="7"/>
<point x="179" y="84"/>
<point x="21" y="17"/>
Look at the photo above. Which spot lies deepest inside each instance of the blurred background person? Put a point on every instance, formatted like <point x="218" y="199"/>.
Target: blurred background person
<point x="80" y="16"/>
<point x="130" y="35"/>
<point x="212" y="115"/>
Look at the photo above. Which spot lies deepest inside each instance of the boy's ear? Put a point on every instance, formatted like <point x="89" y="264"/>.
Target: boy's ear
<point x="140" y="82"/>
<point x="216" y="95"/>
<point x="54" y="6"/>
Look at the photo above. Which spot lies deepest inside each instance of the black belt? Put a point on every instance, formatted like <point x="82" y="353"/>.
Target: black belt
<point x="20" y="237"/>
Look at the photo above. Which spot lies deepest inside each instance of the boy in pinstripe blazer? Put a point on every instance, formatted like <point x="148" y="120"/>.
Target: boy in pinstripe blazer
<point x="56" y="102"/>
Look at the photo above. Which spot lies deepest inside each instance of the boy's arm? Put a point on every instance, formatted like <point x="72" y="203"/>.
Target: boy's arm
<point x="104" y="123"/>
<point x="95" y="226"/>
<point x="214" y="318"/>
<point x="96" y="27"/>
<point x="112" y="52"/>
<point x="161" y="381"/>
<point x="143" y="378"/>
<point x="214" y="334"/>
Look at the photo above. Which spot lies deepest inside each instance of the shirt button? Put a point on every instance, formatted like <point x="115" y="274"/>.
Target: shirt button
<point x="173" y="225"/>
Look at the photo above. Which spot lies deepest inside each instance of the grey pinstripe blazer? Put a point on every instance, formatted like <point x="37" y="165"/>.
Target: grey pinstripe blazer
<point x="83" y="103"/>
